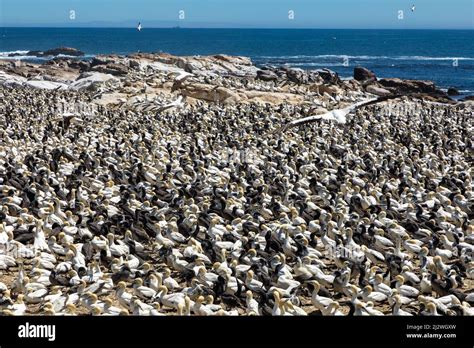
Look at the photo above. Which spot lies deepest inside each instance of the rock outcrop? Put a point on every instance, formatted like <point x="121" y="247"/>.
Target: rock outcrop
<point x="329" y="76"/>
<point x="374" y="89"/>
<point x="65" y="51"/>
<point x="453" y="91"/>
<point x="112" y="69"/>
<point x="364" y="75"/>
<point x="222" y="65"/>
<point x="408" y="86"/>
<point x="267" y="75"/>
<point x="214" y="79"/>
<point x="211" y="93"/>
<point x="297" y="76"/>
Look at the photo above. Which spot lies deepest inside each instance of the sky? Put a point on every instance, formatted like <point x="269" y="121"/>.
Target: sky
<point x="350" y="14"/>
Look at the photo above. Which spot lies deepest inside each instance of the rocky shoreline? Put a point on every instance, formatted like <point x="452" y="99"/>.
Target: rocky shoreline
<point x="218" y="78"/>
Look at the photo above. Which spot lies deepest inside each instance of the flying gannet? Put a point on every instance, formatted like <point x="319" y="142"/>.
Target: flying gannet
<point x="339" y="115"/>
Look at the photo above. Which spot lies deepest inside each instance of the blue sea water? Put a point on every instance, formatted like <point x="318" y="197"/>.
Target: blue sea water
<point x="444" y="56"/>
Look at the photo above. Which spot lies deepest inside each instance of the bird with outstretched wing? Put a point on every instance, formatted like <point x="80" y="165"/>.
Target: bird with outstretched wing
<point x="339" y="115"/>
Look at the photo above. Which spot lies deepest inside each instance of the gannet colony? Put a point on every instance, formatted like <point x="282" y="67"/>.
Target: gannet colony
<point x="160" y="185"/>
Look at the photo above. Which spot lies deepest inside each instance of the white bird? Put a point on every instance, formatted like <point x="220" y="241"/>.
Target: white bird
<point x="143" y="292"/>
<point x="252" y="305"/>
<point x="201" y="309"/>
<point x="36" y="296"/>
<point x="109" y="309"/>
<point x="369" y="295"/>
<point x="369" y="308"/>
<point x="183" y="76"/>
<point x="139" y="27"/>
<point x="170" y="300"/>
<point x="6" y="261"/>
<point x="379" y="286"/>
<point x="338" y="115"/>
<point x="409" y="275"/>
<point x="396" y="307"/>
<point x="413" y="8"/>
<point x="290" y="308"/>
<point x="319" y="302"/>
<point x="332" y="310"/>
<point x="124" y="298"/>
<point x="178" y="103"/>
<point x="168" y="281"/>
<point x="19" y="308"/>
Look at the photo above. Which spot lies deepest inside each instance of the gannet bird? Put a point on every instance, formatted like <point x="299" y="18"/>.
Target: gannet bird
<point x="182" y="77"/>
<point x="332" y="310"/>
<point x="430" y="310"/>
<point x="125" y="298"/>
<point x="201" y="308"/>
<point x="252" y="305"/>
<point x="19" y="307"/>
<point x="70" y="310"/>
<point x="319" y="302"/>
<point x="408" y="275"/>
<point x="139" y="27"/>
<point x="321" y="277"/>
<point x="170" y="300"/>
<point x="360" y="309"/>
<point x="90" y="300"/>
<point x="379" y="286"/>
<point x="405" y="290"/>
<point x="413" y="8"/>
<point x="374" y="296"/>
<point x="6" y="261"/>
<point x="285" y="283"/>
<point x="3" y="287"/>
<point x="369" y="308"/>
<point x="467" y="309"/>
<point x="36" y="296"/>
<point x="155" y="311"/>
<point x="290" y="308"/>
<point x="170" y="282"/>
<point x="404" y="300"/>
<point x="141" y="291"/>
<point x="40" y="238"/>
<point x="277" y="306"/>
<point x="338" y="115"/>
<point x="396" y="307"/>
<point x="4" y="238"/>
<point x="5" y="300"/>
<point x="252" y="283"/>
<point x="178" y="103"/>
<point x="141" y="308"/>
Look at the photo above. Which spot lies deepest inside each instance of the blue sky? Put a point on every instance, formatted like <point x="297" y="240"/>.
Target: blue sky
<point x="429" y="14"/>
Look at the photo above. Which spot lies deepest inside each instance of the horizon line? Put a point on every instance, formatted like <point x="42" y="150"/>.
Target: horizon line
<point x="239" y="28"/>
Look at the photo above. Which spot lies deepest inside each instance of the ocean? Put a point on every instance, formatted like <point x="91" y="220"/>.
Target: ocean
<point x="444" y="56"/>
